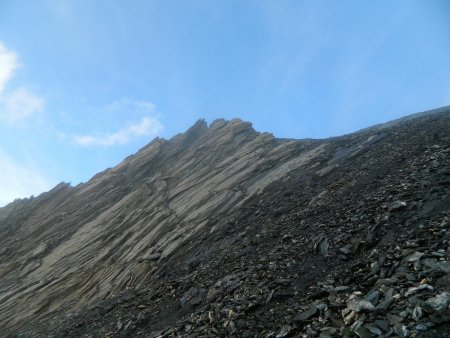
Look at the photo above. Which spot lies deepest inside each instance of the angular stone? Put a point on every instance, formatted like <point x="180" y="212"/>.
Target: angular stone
<point x="284" y="332"/>
<point x="430" y="262"/>
<point x="397" y="205"/>
<point x="439" y="303"/>
<point x="401" y="330"/>
<point x="323" y="246"/>
<point x="360" y="330"/>
<point x="382" y="324"/>
<point x="339" y="289"/>
<point x="385" y="304"/>
<point x="375" y="330"/>
<point x="357" y="304"/>
<point x="373" y="296"/>
<point x="414" y="257"/>
<point x="417" y="313"/>
<point x="415" y="289"/>
<point x="393" y="319"/>
<point x="421" y="327"/>
<point x="444" y="266"/>
<point x="306" y="315"/>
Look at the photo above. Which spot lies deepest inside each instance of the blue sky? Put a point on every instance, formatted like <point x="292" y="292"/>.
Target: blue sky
<point x="85" y="83"/>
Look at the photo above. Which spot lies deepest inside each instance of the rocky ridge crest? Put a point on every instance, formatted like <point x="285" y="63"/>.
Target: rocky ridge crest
<point x="224" y="231"/>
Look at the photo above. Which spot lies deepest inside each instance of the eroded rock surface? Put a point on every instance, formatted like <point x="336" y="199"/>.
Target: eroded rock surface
<point x="224" y="231"/>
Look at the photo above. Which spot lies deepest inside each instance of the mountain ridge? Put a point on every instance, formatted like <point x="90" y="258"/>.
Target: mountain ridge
<point x="220" y="120"/>
<point x="166" y="212"/>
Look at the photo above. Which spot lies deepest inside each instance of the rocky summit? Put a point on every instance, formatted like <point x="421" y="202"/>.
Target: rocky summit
<point x="223" y="231"/>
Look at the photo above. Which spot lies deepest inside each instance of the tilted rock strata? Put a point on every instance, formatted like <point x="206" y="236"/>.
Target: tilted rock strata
<point x="225" y="231"/>
<point x="92" y="241"/>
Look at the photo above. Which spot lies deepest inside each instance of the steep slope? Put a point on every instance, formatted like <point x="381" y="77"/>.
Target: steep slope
<point x="92" y="241"/>
<point x="226" y="231"/>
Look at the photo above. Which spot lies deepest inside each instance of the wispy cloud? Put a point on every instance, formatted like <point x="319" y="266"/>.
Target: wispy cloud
<point x="131" y="106"/>
<point x="8" y="65"/>
<point x="148" y="126"/>
<point x="19" y="104"/>
<point x="17" y="181"/>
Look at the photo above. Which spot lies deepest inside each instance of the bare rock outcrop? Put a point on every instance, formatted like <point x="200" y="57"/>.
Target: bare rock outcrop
<point x="226" y="231"/>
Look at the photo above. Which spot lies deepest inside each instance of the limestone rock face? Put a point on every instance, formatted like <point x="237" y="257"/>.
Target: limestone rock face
<point x="184" y="223"/>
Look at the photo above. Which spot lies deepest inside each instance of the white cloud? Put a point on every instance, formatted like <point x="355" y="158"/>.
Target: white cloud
<point x="19" y="104"/>
<point x="148" y="126"/>
<point x="18" y="181"/>
<point x="8" y="65"/>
